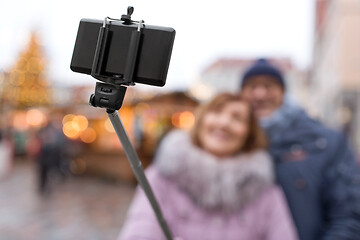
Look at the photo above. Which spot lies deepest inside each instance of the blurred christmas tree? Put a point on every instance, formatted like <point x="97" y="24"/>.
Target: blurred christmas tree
<point x="25" y="85"/>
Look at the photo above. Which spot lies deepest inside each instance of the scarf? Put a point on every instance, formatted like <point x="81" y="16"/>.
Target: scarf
<point x="281" y="119"/>
<point x="213" y="183"/>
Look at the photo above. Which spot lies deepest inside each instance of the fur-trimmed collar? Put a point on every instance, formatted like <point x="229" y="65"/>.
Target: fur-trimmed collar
<point x="282" y="118"/>
<point x="227" y="183"/>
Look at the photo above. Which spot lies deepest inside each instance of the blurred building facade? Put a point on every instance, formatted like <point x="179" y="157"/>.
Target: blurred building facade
<point x="334" y="83"/>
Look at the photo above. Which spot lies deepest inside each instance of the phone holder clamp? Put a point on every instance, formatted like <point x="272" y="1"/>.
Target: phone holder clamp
<point x="111" y="92"/>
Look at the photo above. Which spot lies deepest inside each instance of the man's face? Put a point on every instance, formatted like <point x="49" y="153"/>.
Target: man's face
<point x="264" y="93"/>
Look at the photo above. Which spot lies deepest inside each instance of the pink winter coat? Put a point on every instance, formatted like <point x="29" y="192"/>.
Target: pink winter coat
<point x="196" y="209"/>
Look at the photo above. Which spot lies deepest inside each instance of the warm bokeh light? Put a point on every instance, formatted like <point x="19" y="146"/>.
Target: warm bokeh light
<point x="35" y="118"/>
<point x="67" y="118"/>
<point x="74" y="125"/>
<point x="183" y="119"/>
<point x="80" y="123"/>
<point x="201" y="91"/>
<point x="19" y="121"/>
<point x="70" y="131"/>
<point x="88" y="135"/>
<point x="186" y="120"/>
<point x="175" y="119"/>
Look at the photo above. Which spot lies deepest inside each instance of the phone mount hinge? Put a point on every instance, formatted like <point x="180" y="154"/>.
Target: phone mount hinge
<point x="126" y="18"/>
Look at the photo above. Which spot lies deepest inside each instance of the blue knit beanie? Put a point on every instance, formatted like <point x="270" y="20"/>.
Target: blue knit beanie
<point x="263" y="67"/>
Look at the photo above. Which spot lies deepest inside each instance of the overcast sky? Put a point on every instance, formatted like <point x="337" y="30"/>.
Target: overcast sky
<point x="205" y="31"/>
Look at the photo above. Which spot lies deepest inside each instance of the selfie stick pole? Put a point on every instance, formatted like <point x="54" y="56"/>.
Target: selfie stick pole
<point x="137" y="168"/>
<point x="110" y="94"/>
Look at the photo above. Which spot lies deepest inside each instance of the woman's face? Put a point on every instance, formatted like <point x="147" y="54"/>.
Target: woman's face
<point x="223" y="130"/>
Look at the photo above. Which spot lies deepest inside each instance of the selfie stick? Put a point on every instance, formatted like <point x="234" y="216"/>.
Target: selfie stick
<point x="138" y="169"/>
<point x="110" y="95"/>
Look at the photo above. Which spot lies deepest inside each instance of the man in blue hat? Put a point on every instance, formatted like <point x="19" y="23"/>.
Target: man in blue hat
<point x="314" y="165"/>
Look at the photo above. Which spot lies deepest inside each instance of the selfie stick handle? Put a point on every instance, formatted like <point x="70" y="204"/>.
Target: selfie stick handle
<point x="138" y="169"/>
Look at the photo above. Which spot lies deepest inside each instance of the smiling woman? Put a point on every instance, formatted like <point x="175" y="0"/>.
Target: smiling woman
<point x="219" y="175"/>
<point x="225" y="126"/>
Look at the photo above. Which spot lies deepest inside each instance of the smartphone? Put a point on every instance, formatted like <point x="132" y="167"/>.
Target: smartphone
<point x="153" y="57"/>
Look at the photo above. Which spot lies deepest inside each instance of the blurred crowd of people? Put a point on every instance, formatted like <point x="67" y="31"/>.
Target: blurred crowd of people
<point x="6" y="154"/>
<point x="50" y="149"/>
<point x="46" y="147"/>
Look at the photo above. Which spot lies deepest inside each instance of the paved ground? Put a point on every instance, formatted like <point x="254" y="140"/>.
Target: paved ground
<point x="77" y="208"/>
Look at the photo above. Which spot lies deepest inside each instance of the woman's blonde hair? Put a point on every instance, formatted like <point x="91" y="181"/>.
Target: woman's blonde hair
<point x="256" y="138"/>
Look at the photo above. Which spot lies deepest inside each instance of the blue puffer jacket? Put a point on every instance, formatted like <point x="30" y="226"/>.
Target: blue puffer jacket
<point x="320" y="177"/>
